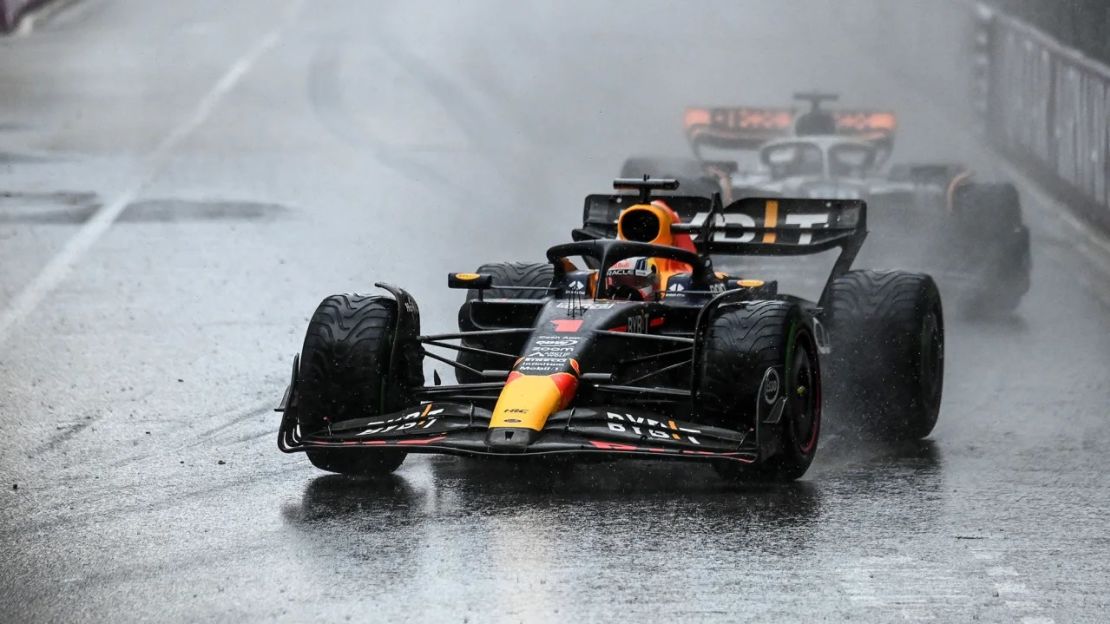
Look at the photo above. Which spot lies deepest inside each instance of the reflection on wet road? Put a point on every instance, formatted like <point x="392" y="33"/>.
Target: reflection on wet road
<point x="634" y="538"/>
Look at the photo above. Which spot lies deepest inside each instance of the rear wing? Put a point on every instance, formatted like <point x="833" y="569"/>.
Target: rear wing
<point x="778" y="226"/>
<point x="754" y="226"/>
<point x="737" y="127"/>
<point x="750" y="226"/>
<point x="748" y="128"/>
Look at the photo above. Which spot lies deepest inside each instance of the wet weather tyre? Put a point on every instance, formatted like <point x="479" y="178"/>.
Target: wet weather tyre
<point x="754" y="356"/>
<point x="508" y="274"/>
<point x="989" y="209"/>
<point x="1007" y="285"/>
<point x="345" y="373"/>
<point x="505" y="276"/>
<point x="991" y="214"/>
<point x="887" y="364"/>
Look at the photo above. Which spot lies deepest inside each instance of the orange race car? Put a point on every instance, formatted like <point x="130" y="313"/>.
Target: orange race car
<point x="936" y="217"/>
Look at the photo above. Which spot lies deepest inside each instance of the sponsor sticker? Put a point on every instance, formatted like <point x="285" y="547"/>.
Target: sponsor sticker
<point x="649" y="427"/>
<point x="771" y="386"/>
<point x="557" y="341"/>
<point x="567" y="326"/>
<point x="582" y="305"/>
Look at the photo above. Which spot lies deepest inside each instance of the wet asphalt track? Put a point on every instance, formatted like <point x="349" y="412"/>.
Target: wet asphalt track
<point x="264" y="153"/>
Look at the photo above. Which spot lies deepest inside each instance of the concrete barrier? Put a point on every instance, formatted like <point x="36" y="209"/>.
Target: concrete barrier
<point x="1049" y="108"/>
<point x="12" y="10"/>
<point x="1039" y="102"/>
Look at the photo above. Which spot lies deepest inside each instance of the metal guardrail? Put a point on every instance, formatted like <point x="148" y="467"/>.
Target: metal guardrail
<point x="1048" y="106"/>
<point x="1078" y="24"/>
<point x="12" y="10"/>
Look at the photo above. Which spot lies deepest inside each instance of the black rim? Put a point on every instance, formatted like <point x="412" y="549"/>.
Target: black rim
<point x="804" y="397"/>
<point x="932" y="358"/>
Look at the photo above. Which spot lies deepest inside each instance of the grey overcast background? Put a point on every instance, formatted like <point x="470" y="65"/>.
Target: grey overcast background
<point x="182" y="182"/>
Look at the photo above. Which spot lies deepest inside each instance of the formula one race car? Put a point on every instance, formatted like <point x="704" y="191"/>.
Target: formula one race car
<point x="645" y="351"/>
<point x="931" y="216"/>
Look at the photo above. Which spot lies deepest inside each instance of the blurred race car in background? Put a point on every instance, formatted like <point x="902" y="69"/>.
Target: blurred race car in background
<point x="933" y="216"/>
<point x="645" y="350"/>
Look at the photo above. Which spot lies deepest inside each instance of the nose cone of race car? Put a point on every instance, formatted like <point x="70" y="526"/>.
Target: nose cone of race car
<point x="524" y="406"/>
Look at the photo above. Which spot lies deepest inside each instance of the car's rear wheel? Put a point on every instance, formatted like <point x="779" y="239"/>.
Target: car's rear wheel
<point x="887" y="335"/>
<point x="345" y="372"/>
<point x="754" y="356"/>
<point x="991" y="216"/>
<point x="511" y="280"/>
<point x="515" y="280"/>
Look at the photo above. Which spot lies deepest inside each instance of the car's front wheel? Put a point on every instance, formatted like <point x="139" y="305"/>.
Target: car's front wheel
<point x="759" y="368"/>
<point x="345" y="372"/>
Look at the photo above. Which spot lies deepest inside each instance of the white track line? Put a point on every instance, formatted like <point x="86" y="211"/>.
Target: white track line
<point x="62" y="263"/>
<point x="1010" y="590"/>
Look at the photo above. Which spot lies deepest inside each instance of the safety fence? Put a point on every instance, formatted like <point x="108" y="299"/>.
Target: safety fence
<point x="1078" y="24"/>
<point x="1048" y="106"/>
<point x="11" y="10"/>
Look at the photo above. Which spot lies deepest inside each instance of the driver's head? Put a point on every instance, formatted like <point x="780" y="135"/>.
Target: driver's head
<point x="634" y="279"/>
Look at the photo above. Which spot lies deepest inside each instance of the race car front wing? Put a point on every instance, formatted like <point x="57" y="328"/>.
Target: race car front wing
<point x="463" y="429"/>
